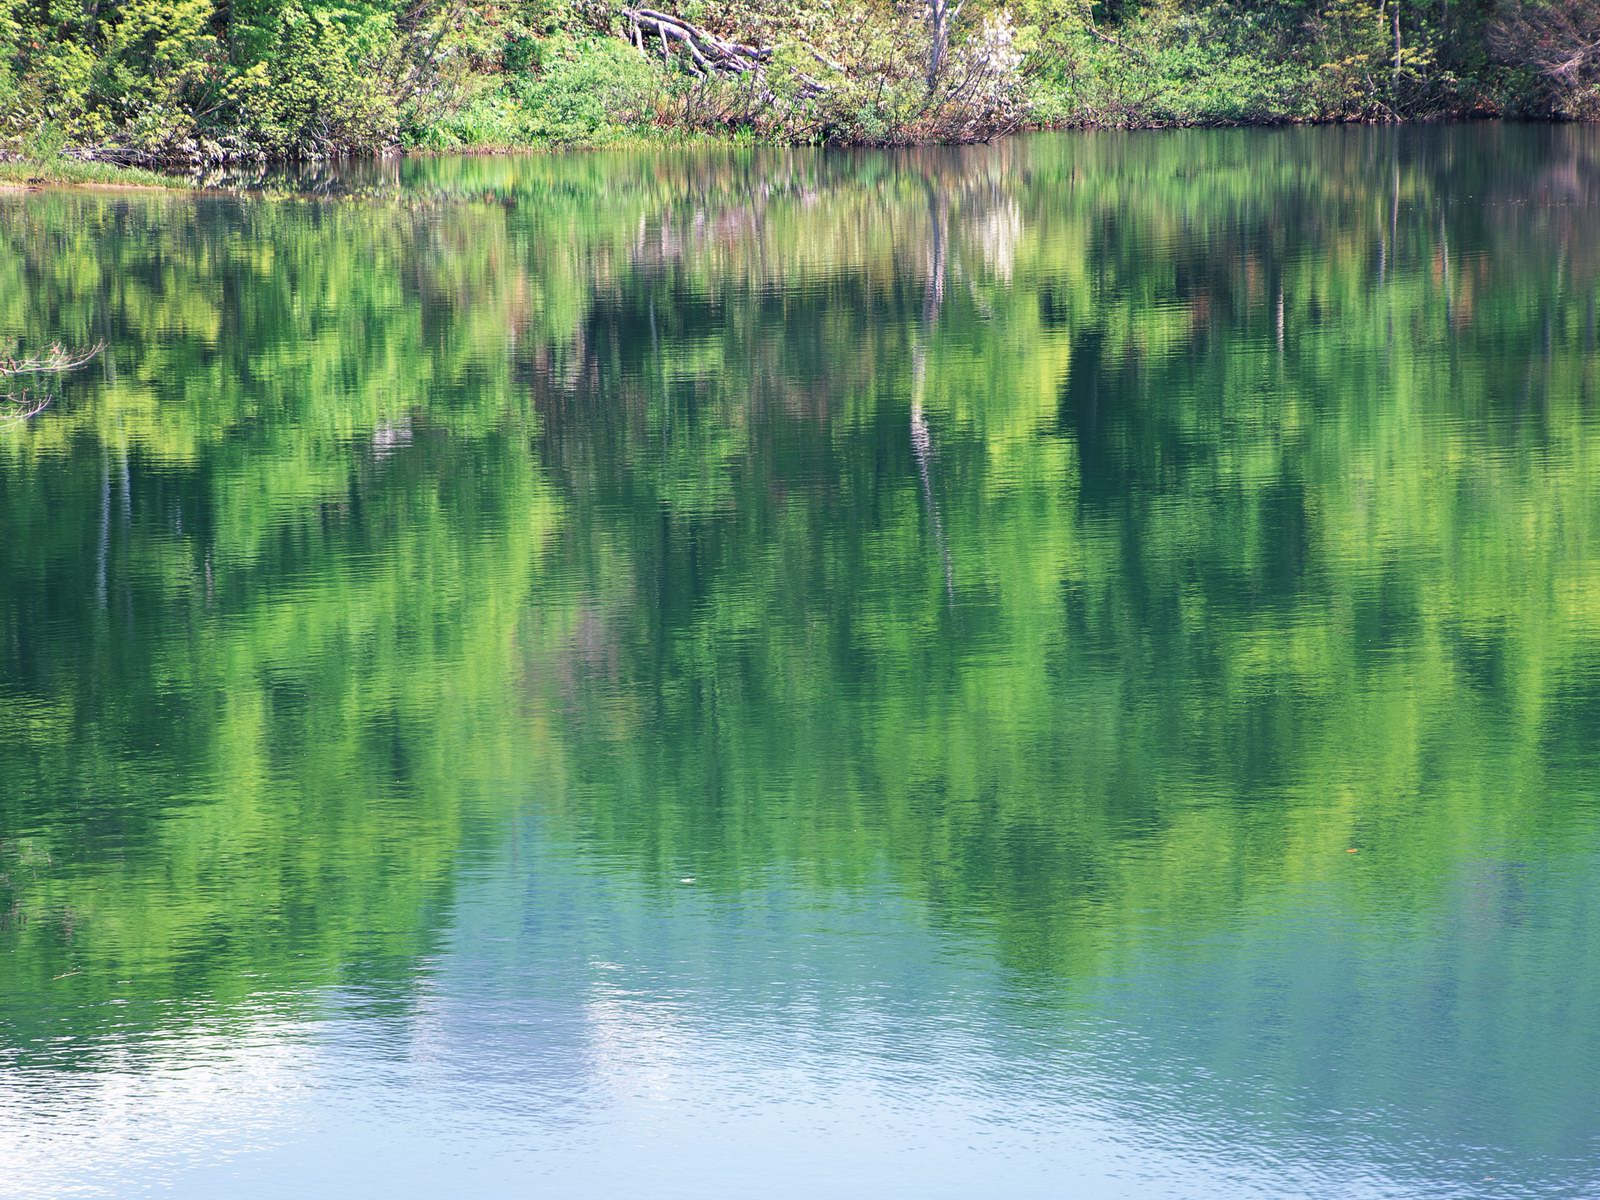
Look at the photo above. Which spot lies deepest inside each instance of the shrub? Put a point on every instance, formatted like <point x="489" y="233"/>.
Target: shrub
<point x="597" y="89"/>
<point x="322" y="90"/>
<point x="1558" y="44"/>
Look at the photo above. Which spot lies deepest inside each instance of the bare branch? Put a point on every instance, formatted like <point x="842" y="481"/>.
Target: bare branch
<point x="56" y="359"/>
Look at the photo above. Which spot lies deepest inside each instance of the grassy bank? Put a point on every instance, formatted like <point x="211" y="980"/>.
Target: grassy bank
<point x="70" y="172"/>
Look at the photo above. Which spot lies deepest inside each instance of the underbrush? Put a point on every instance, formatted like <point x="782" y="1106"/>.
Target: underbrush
<point x="43" y="160"/>
<point x="196" y="82"/>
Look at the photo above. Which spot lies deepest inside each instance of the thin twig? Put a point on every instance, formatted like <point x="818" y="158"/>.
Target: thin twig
<point x="56" y="359"/>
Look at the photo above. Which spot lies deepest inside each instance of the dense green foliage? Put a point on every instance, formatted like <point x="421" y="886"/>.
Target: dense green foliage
<point x="210" y="80"/>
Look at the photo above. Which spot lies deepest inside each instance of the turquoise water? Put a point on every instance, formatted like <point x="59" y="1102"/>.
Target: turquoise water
<point x="1063" y="668"/>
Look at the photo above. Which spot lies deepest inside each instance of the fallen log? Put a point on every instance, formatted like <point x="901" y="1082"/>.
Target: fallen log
<point x="707" y="53"/>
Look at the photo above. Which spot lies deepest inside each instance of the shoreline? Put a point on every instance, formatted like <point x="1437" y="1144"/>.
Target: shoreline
<point x="77" y="175"/>
<point x="73" y="174"/>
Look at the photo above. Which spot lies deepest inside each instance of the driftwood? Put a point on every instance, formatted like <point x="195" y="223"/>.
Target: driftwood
<point x="707" y="54"/>
<point x="966" y="98"/>
<point x="710" y="56"/>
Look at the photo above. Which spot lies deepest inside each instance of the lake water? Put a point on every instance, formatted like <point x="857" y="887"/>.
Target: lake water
<point x="1068" y="668"/>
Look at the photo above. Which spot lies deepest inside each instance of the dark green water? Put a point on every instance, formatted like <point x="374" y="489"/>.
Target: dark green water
<point x="1068" y="668"/>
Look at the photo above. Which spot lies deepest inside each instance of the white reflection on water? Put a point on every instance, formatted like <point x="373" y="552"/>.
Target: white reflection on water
<point x="151" y="1112"/>
<point x="584" y="1037"/>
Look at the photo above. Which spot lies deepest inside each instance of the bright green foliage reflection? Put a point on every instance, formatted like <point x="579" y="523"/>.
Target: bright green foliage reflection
<point x="1094" y="538"/>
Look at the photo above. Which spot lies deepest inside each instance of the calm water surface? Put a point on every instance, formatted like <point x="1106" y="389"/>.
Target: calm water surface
<point x="1067" y="668"/>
